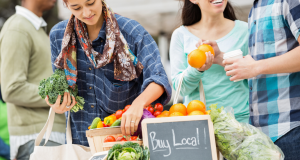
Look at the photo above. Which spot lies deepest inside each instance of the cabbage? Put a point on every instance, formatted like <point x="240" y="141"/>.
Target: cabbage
<point x="128" y="154"/>
<point x="146" y="114"/>
<point x="128" y="151"/>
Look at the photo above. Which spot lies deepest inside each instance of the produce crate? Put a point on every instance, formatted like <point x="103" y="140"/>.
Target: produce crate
<point x="96" y="138"/>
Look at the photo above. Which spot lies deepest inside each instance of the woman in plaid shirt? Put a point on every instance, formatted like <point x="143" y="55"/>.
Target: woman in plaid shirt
<point x="113" y="60"/>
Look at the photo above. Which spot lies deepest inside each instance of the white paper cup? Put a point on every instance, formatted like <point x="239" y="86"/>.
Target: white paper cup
<point x="234" y="54"/>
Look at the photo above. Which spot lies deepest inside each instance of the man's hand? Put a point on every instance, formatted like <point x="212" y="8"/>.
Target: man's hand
<point x="242" y="68"/>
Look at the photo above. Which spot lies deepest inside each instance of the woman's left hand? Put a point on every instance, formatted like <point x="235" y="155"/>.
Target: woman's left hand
<point x="131" y="118"/>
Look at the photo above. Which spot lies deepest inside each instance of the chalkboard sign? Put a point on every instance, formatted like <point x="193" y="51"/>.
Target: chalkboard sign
<point x="180" y="138"/>
<point x="99" y="156"/>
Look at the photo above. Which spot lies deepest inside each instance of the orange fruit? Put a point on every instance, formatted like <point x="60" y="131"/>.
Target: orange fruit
<point x="197" y="58"/>
<point x="206" y="48"/>
<point x="194" y="113"/>
<point x="161" y="116"/>
<point x="176" y="114"/>
<point x="196" y="105"/>
<point x="165" y="113"/>
<point x="178" y="108"/>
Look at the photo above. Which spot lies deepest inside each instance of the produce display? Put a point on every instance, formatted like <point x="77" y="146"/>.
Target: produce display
<point x="56" y="85"/>
<point x="115" y="119"/>
<point x="194" y="108"/>
<point x="239" y="141"/>
<point x="128" y="151"/>
<point x="121" y="138"/>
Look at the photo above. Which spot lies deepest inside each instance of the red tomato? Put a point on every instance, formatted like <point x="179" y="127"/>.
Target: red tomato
<point x="119" y="113"/>
<point x="133" y="138"/>
<point x="150" y="109"/>
<point x="110" y="139"/>
<point x="148" y="106"/>
<point x="156" y="113"/>
<point x="123" y="140"/>
<point x="159" y="107"/>
<point x="120" y="138"/>
<point x="126" y="108"/>
<point x="104" y="125"/>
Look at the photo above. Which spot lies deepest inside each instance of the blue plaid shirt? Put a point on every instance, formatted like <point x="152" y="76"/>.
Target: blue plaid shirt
<point x="102" y="93"/>
<point x="274" y="27"/>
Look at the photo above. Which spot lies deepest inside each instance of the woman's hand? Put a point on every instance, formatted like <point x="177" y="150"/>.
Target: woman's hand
<point x="218" y="59"/>
<point x="65" y="106"/>
<point x="208" y="63"/>
<point x="131" y="118"/>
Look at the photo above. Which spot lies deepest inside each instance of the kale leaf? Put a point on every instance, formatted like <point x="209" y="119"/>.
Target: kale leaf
<point x="56" y="85"/>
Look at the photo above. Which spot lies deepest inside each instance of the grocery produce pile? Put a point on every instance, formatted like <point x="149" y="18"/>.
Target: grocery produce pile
<point x="56" y="85"/>
<point x="239" y="141"/>
<point x="194" y="108"/>
<point x="114" y="120"/>
<point x="128" y="151"/>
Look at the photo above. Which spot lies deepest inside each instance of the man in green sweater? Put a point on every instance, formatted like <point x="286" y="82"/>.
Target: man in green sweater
<point x="24" y="62"/>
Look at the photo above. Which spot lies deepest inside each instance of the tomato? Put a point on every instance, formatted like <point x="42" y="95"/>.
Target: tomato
<point x="119" y="113"/>
<point x="126" y="108"/>
<point x="133" y="138"/>
<point x="148" y="106"/>
<point x="150" y="109"/>
<point x="159" y="107"/>
<point x="110" y="139"/>
<point x="121" y="138"/>
<point x="156" y="113"/>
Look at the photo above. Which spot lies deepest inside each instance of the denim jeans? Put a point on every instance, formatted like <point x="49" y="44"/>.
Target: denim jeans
<point x="290" y="144"/>
<point x="4" y="150"/>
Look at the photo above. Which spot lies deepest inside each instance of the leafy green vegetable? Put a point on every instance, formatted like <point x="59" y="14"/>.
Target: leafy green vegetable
<point x="128" y="154"/>
<point x="128" y="151"/>
<point x="56" y="85"/>
<point x="238" y="141"/>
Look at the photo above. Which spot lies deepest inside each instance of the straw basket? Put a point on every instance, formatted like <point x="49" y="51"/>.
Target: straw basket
<point x="96" y="138"/>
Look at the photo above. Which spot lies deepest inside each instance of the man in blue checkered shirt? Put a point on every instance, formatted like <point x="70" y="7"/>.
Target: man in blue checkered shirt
<point x="273" y="71"/>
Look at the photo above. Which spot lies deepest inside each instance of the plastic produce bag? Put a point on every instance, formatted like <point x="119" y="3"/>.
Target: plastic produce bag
<point x="240" y="141"/>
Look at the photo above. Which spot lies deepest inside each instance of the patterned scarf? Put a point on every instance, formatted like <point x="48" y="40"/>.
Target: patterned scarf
<point x="126" y="65"/>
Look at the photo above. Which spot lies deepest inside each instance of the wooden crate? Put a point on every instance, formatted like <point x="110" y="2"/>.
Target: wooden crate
<point x="96" y="138"/>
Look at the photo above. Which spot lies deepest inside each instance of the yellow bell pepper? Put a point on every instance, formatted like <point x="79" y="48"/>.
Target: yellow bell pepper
<point x="100" y="124"/>
<point x="109" y="120"/>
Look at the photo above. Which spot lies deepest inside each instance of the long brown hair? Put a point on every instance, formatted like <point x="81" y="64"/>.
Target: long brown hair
<point x="191" y="13"/>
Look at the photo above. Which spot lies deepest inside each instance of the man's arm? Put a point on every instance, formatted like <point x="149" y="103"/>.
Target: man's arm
<point x="15" y="52"/>
<point x="286" y="63"/>
<point x="247" y="67"/>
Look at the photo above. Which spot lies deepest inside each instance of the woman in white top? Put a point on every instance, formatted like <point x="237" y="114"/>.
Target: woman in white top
<point x="205" y="21"/>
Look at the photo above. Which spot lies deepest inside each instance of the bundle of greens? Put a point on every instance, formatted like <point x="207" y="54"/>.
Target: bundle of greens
<point x="56" y="85"/>
<point x="238" y="141"/>
<point x="128" y="151"/>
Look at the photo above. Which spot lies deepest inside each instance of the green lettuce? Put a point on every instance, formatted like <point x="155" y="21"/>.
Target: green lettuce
<point x="237" y="141"/>
<point x="128" y="151"/>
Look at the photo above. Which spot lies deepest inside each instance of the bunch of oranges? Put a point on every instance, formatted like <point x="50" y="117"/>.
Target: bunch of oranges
<point x="197" y="57"/>
<point x="195" y="107"/>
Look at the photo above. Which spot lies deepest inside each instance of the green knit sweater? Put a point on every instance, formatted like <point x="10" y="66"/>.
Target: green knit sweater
<point x="25" y="60"/>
